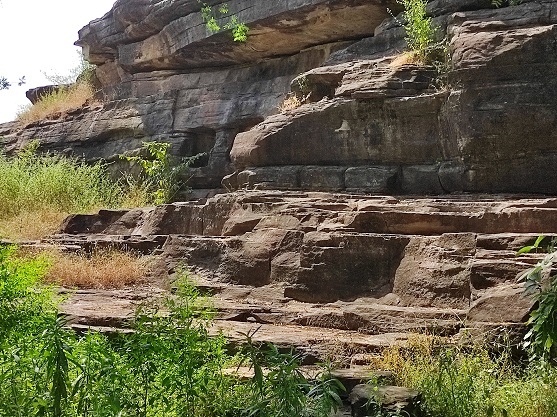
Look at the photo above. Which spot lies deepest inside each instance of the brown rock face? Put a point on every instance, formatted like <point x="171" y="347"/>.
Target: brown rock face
<point x="374" y="264"/>
<point x="489" y="129"/>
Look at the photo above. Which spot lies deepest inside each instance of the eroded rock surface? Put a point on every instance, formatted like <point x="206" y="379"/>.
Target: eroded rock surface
<point x="380" y="127"/>
<point x="372" y="123"/>
<point x="374" y="265"/>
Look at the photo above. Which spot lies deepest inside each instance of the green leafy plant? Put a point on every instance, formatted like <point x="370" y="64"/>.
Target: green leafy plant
<point x="541" y="285"/>
<point x="168" y="365"/>
<point x="161" y="176"/>
<point x="211" y="18"/>
<point x="420" y="31"/>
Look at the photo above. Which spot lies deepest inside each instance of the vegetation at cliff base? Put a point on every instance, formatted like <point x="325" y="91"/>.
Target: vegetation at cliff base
<point x="472" y="380"/>
<point x="160" y="177"/>
<point x="167" y="365"/>
<point x="39" y="190"/>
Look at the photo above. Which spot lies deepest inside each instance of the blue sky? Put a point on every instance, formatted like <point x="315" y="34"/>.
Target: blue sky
<point x="37" y="36"/>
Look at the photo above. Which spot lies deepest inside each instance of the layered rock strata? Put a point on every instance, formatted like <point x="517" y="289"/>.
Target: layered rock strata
<point x="376" y="265"/>
<point x="485" y="123"/>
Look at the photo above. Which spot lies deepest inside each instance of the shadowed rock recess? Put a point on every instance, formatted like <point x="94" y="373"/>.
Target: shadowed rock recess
<point x="314" y="243"/>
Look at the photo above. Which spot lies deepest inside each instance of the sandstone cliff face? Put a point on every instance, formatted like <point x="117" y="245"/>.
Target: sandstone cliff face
<point x="339" y="260"/>
<point x="370" y="126"/>
<point x="372" y="264"/>
<point x="385" y="129"/>
<point x="166" y="78"/>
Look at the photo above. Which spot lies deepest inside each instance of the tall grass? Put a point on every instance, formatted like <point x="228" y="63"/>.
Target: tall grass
<point x="36" y="192"/>
<point x="30" y="183"/>
<point x="471" y="381"/>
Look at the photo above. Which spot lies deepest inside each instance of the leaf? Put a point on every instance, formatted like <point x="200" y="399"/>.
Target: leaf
<point x="539" y="240"/>
<point x="548" y="343"/>
<point x="525" y="249"/>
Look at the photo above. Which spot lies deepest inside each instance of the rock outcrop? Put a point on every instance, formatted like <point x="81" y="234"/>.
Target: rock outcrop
<point x="371" y="124"/>
<point x="375" y="265"/>
<point x="384" y="128"/>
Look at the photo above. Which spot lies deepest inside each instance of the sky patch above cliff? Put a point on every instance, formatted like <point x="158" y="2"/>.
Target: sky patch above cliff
<point x="37" y="36"/>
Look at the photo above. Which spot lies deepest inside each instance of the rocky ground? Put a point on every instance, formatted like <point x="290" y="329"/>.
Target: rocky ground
<point x="334" y="276"/>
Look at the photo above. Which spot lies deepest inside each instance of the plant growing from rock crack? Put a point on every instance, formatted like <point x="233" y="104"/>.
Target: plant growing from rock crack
<point x="541" y="285"/>
<point x="499" y="3"/>
<point x="421" y="40"/>
<point x="420" y="32"/>
<point x="210" y="17"/>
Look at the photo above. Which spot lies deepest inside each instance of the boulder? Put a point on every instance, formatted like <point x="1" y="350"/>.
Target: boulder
<point x="368" y="399"/>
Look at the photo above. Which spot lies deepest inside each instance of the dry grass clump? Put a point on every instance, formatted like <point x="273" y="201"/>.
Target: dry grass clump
<point x="57" y="103"/>
<point x="31" y="225"/>
<point x="102" y="269"/>
<point x="405" y="58"/>
<point x="291" y="102"/>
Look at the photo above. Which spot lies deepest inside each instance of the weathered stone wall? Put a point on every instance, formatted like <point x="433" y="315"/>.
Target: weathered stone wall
<point x="388" y="129"/>
<point x="370" y="126"/>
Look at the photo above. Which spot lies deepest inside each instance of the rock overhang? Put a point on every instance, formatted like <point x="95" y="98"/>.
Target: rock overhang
<point x="173" y="35"/>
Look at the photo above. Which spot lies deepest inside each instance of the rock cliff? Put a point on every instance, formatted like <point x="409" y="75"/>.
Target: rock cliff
<point x="333" y="263"/>
<point x="306" y="247"/>
<point x="486" y="124"/>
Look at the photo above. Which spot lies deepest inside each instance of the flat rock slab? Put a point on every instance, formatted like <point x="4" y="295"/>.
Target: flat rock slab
<point x="315" y="342"/>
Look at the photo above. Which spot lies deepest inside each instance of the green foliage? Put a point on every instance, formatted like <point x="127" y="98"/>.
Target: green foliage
<point x="161" y="177"/>
<point x="23" y="302"/>
<point x="420" y="32"/>
<point x="421" y="39"/>
<point x="473" y="382"/>
<point x="4" y="83"/>
<point x="280" y="389"/>
<point x="31" y="182"/>
<point x="499" y="3"/>
<point x="83" y="71"/>
<point x="211" y="18"/>
<point x="539" y="284"/>
<point x="167" y="366"/>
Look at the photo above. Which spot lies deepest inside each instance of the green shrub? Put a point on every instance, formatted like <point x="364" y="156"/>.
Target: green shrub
<point x="238" y="29"/>
<point x="168" y="366"/>
<point x="541" y="285"/>
<point x="420" y="32"/>
<point x="160" y="176"/>
<point x="499" y="3"/>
